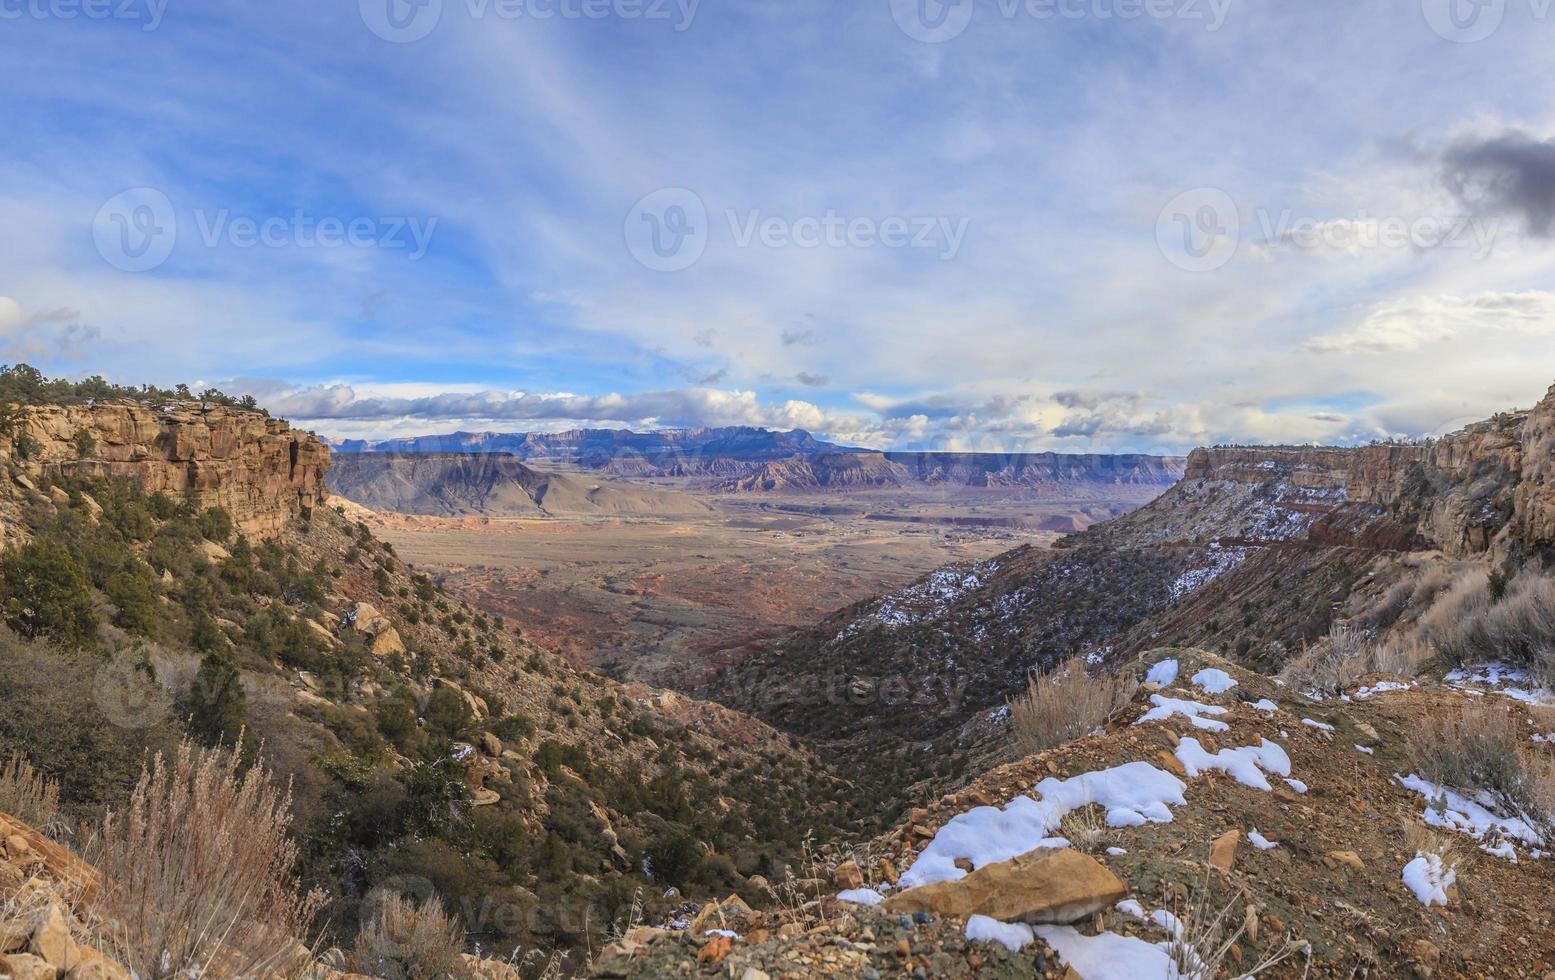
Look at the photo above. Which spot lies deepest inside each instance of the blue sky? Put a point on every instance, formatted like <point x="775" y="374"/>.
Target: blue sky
<point x="1056" y="229"/>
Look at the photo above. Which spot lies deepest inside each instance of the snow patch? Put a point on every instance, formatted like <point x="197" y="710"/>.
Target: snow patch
<point x="1194" y="711"/>
<point x="861" y="896"/>
<point x="1108" y="956"/>
<point x="1132" y="794"/>
<point x="1382" y="687"/>
<point x="1263" y="704"/>
<point x="1454" y="811"/>
<point x="1163" y="673"/>
<point x="1246" y="765"/>
<point x="1214" y="681"/>
<point x="1011" y="935"/>
<point x="1364" y="750"/>
<point x="1429" y="879"/>
<point x="1221" y="561"/>
<point x="1320" y="726"/>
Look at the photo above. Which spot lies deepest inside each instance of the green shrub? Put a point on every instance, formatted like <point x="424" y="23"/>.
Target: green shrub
<point x="217" y="705"/>
<point x="215" y="525"/>
<point x="136" y="601"/>
<point x="676" y="859"/>
<point x="47" y="593"/>
<point x="448" y="715"/>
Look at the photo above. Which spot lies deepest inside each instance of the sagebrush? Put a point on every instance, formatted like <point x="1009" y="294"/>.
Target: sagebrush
<point x="198" y="872"/>
<point x="1066" y="703"/>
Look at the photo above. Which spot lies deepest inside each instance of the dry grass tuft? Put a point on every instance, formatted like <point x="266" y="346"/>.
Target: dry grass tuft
<point x="1065" y="704"/>
<point x="1340" y="661"/>
<point x="1420" y="839"/>
<point x="30" y="796"/>
<point x="1205" y="932"/>
<point x="197" y="872"/>
<point x="406" y="941"/>
<point x="1086" y="829"/>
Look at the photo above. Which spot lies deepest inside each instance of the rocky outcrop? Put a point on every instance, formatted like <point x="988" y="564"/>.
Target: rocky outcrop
<point x="261" y="470"/>
<point x="1485" y="488"/>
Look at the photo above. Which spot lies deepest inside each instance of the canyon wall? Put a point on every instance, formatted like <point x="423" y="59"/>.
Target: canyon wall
<point x="261" y="470"/>
<point x="1489" y="487"/>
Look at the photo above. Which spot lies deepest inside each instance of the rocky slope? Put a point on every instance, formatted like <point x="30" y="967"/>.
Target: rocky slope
<point x="260" y="470"/>
<point x="1241" y="822"/>
<point x="426" y="742"/>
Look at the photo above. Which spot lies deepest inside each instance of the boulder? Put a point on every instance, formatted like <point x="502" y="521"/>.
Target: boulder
<point x="1169" y="761"/>
<point x="365" y="618"/>
<point x="51" y="940"/>
<point x="1335" y="858"/>
<point x="25" y="966"/>
<point x="1055" y="887"/>
<point x="847" y="875"/>
<point x="1222" y="853"/>
<point x="388" y="643"/>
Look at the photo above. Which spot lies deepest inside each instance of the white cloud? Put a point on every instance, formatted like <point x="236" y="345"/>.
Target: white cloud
<point x="1412" y="324"/>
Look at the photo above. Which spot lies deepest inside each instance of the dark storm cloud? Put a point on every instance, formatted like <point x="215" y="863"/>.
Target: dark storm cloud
<point x="1511" y="174"/>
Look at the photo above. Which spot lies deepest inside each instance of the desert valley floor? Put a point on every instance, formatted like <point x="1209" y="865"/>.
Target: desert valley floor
<point x="655" y="598"/>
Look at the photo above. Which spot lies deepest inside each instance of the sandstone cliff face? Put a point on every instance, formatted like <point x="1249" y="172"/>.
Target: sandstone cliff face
<point x="1489" y="487"/>
<point x="260" y="469"/>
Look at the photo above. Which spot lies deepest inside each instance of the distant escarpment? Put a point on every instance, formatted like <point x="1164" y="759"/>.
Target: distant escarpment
<point x="260" y="470"/>
<point x="491" y="485"/>
<point x="1008" y="470"/>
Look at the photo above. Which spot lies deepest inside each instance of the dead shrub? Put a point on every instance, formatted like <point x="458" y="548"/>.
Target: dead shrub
<point x="197" y="872"/>
<point x="1484" y="748"/>
<point x="1522" y="625"/>
<point x="1332" y="665"/>
<point x="406" y="941"/>
<point x="1065" y="704"/>
<point x="30" y="796"/>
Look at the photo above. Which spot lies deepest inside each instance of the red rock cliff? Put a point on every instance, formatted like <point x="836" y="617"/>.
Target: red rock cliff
<point x="260" y="469"/>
